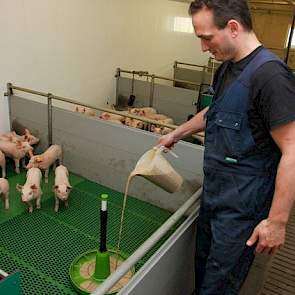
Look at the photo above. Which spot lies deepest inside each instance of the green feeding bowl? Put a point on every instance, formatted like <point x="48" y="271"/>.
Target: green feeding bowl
<point x="91" y="268"/>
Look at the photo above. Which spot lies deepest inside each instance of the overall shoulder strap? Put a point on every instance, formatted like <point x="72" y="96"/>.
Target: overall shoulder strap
<point x="262" y="57"/>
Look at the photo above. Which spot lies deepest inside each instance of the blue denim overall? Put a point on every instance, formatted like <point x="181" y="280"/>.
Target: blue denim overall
<point x="237" y="191"/>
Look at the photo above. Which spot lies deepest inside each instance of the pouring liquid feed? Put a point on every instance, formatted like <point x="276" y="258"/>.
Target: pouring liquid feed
<point x="154" y="167"/>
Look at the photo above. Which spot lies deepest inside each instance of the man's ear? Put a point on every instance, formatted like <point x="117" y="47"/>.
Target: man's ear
<point x="234" y="27"/>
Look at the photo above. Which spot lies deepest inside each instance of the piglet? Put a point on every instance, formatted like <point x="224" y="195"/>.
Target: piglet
<point x="62" y="187"/>
<point x="31" y="189"/>
<point x="134" y="123"/>
<point x="45" y="160"/>
<point x="110" y="117"/>
<point x="14" y="137"/>
<point x="142" y="111"/>
<point x="84" y="110"/>
<point x="4" y="191"/>
<point x="16" y="151"/>
<point x="3" y="164"/>
<point x="160" y="130"/>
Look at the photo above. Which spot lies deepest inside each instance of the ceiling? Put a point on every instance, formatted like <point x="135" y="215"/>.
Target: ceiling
<point x="280" y="2"/>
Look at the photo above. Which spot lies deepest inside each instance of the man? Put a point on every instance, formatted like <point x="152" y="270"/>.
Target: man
<point x="249" y="159"/>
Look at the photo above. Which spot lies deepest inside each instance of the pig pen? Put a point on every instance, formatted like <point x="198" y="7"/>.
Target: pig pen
<point x="100" y="155"/>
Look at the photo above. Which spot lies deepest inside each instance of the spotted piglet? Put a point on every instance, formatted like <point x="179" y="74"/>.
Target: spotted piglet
<point x="4" y="191"/>
<point x="3" y="164"/>
<point x="62" y="187"/>
<point x="31" y="190"/>
<point x="45" y="160"/>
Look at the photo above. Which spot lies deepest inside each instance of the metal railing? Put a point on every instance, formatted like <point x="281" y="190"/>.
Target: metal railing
<point x="147" y="245"/>
<point x="176" y="63"/>
<point x="153" y="79"/>
<point x="50" y="97"/>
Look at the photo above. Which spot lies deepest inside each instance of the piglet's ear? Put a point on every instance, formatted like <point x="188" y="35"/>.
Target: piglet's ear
<point x="33" y="187"/>
<point x="19" y="187"/>
<point x="38" y="159"/>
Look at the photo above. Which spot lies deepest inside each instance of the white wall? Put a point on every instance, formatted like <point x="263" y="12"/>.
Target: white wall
<point x="73" y="47"/>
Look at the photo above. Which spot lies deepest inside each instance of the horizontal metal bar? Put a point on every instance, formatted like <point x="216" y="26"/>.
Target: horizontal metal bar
<point x="29" y="91"/>
<point x="146" y="246"/>
<point x="192" y="65"/>
<point x="64" y="99"/>
<point x="161" y="78"/>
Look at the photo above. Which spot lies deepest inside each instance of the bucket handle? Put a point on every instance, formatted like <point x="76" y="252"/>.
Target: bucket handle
<point x="164" y="149"/>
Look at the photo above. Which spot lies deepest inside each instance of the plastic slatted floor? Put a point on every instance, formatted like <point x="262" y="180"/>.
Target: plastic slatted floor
<point x="280" y="277"/>
<point x="43" y="244"/>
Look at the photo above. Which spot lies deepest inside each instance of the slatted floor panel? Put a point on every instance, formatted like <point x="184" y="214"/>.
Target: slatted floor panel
<point x="280" y="277"/>
<point x="42" y="245"/>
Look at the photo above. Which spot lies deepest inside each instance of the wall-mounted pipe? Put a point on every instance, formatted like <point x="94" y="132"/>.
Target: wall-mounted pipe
<point x="146" y="246"/>
<point x="290" y="38"/>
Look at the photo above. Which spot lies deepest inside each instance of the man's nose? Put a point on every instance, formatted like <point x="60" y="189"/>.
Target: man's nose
<point x="204" y="45"/>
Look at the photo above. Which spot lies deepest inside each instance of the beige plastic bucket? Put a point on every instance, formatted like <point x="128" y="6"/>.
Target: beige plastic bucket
<point x="154" y="167"/>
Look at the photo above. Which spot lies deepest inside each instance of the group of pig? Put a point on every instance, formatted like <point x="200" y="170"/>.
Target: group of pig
<point x="18" y="147"/>
<point x="146" y="112"/>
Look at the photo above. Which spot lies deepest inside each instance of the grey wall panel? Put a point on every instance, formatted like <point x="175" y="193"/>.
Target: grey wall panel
<point x="193" y="75"/>
<point x="188" y="75"/>
<point x="32" y="115"/>
<point x="174" y="102"/>
<point x="106" y="153"/>
<point x="171" y="270"/>
<point x="141" y="90"/>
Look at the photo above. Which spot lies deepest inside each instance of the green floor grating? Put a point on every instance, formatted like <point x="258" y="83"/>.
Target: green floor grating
<point x="43" y="244"/>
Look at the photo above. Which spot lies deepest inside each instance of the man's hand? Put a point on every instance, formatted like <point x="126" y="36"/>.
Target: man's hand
<point x="168" y="141"/>
<point x="269" y="236"/>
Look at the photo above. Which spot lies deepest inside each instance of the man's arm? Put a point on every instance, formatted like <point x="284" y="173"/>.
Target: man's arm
<point x="270" y="233"/>
<point x="196" y="124"/>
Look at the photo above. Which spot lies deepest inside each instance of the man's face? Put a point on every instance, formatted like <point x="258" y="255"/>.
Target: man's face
<point x="217" y="41"/>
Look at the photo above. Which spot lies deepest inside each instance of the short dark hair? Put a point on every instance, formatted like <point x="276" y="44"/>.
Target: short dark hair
<point x="224" y="10"/>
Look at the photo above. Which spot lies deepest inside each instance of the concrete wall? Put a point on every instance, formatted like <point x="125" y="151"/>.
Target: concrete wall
<point x="73" y="47"/>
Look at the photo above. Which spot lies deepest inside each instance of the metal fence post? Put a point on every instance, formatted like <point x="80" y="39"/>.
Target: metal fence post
<point x="49" y="109"/>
